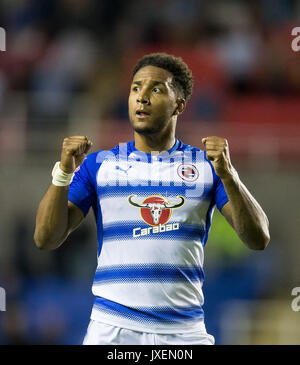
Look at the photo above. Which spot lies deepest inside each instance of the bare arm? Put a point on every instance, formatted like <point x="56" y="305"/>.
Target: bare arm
<point x="242" y="211"/>
<point x="245" y="215"/>
<point x="56" y="216"/>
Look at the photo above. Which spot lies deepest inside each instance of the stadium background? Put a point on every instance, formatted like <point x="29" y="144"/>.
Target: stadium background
<point x="67" y="70"/>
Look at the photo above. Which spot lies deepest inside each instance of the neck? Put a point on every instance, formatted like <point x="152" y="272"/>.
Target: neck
<point x="154" y="142"/>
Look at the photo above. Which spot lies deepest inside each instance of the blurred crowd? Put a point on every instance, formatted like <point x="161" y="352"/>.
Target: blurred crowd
<point x="58" y="49"/>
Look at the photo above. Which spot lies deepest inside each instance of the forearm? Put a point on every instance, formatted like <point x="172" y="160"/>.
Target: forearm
<point x="248" y="219"/>
<point x="52" y="218"/>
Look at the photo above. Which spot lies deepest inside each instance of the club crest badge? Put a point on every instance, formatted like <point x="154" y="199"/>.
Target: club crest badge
<point x="188" y="172"/>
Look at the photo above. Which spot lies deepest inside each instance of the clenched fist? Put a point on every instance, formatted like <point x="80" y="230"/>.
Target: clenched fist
<point x="217" y="151"/>
<point x="74" y="150"/>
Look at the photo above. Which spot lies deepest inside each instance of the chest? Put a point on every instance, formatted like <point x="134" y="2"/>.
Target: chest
<point x="154" y="192"/>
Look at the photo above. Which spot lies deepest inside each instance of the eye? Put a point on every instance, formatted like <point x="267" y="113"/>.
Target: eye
<point x="156" y="90"/>
<point x="135" y="88"/>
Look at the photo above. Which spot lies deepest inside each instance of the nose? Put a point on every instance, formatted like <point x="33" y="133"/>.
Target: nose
<point x="143" y="98"/>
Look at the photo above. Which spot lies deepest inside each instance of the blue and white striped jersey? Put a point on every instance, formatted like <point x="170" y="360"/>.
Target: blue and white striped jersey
<point x="153" y="215"/>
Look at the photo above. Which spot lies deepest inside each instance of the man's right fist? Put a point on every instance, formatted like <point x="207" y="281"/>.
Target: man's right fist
<point x="74" y="150"/>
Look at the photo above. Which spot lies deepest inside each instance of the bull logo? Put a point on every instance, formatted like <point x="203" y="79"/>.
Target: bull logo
<point x="155" y="209"/>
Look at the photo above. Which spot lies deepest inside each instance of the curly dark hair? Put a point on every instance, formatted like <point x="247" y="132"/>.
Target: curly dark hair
<point x="183" y="78"/>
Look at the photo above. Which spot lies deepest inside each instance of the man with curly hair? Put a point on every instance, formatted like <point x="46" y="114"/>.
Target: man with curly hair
<point x="153" y="200"/>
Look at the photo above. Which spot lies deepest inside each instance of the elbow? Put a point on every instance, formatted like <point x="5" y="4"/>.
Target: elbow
<point x="261" y="242"/>
<point x="41" y="241"/>
<point x="261" y="245"/>
<point x="265" y="236"/>
<point x="266" y="240"/>
<point x="262" y="238"/>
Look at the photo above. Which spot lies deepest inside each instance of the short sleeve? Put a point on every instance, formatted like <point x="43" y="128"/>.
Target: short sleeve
<point x="221" y="197"/>
<point x="81" y="190"/>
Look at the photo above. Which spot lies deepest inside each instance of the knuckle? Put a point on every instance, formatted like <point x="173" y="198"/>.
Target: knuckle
<point x="66" y="145"/>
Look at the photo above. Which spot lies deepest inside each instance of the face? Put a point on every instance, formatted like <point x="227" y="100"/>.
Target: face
<point x="152" y="100"/>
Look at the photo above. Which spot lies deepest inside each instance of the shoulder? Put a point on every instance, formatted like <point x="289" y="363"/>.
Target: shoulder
<point x="95" y="159"/>
<point x="192" y="149"/>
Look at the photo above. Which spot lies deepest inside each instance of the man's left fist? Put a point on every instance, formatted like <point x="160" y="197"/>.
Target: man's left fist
<point x="217" y="151"/>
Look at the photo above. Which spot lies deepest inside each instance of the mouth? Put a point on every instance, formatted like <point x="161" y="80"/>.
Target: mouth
<point x="141" y="114"/>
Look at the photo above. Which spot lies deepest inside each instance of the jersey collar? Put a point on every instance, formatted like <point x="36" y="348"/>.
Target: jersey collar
<point x="174" y="148"/>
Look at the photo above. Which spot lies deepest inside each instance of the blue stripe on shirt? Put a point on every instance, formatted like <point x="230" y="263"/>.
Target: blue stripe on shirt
<point x="124" y="231"/>
<point x="150" y="314"/>
<point x="135" y="273"/>
<point x="191" y="191"/>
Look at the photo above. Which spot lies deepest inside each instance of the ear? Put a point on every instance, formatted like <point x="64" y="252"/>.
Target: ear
<point x="180" y="106"/>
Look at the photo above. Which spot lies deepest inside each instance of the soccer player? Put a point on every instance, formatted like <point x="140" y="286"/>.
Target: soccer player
<point x="153" y="200"/>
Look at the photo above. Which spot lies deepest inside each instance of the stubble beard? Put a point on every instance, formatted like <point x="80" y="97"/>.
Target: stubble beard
<point x="157" y="127"/>
<point x="146" y="131"/>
